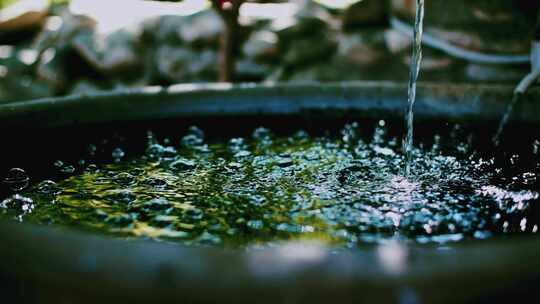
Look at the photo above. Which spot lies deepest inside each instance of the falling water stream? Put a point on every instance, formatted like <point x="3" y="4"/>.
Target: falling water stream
<point x="415" y="70"/>
<point x="504" y="121"/>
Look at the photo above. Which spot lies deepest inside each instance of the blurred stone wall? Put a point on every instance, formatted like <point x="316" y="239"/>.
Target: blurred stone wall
<point x="62" y="53"/>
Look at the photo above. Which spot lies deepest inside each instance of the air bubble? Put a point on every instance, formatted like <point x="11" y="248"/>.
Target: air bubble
<point x="182" y="164"/>
<point x="155" y="182"/>
<point x="343" y="190"/>
<point x="48" y="187"/>
<point x="159" y="151"/>
<point x="124" y="179"/>
<point x="91" y="168"/>
<point x="16" y="179"/>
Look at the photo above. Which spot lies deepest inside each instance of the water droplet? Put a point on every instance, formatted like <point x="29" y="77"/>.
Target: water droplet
<point x="118" y="154"/>
<point x="260" y="133"/>
<point x="255" y="224"/>
<point x="237" y="145"/>
<point x="191" y="141"/>
<point x="349" y="133"/>
<point x="514" y="159"/>
<point x="16" y="179"/>
<point x="194" y="130"/>
<point x="194" y="137"/>
<point x="58" y="164"/>
<point x="67" y="169"/>
<point x="301" y="135"/>
<point x="150" y="138"/>
<point x="18" y="202"/>
<point x="91" y="149"/>
<point x="523" y="224"/>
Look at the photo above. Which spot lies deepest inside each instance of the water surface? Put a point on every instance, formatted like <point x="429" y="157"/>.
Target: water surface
<point x="344" y="189"/>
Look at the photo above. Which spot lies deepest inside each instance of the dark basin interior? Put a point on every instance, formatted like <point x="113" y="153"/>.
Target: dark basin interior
<point x="54" y="264"/>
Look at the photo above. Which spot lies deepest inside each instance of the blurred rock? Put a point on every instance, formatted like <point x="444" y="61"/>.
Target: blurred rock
<point x="366" y="48"/>
<point x="309" y="50"/>
<point x="165" y="29"/>
<point x="23" y="14"/>
<point x="487" y="73"/>
<point x="55" y="46"/>
<point x="314" y="74"/>
<point x="250" y="71"/>
<point x="202" y="29"/>
<point x="178" y="64"/>
<point x="119" y="54"/>
<point x="59" y="31"/>
<point x="304" y="27"/>
<point x="396" y="41"/>
<point x="50" y="68"/>
<point x="491" y="27"/>
<point x="84" y="87"/>
<point x="364" y="13"/>
<point x="16" y="79"/>
<point x="309" y="40"/>
<point x="262" y="46"/>
<point x="172" y="62"/>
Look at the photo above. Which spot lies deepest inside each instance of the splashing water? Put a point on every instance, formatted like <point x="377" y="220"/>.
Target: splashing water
<point x="415" y="70"/>
<point x="347" y="191"/>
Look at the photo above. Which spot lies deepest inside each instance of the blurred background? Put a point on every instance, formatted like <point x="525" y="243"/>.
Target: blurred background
<point x="58" y="47"/>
